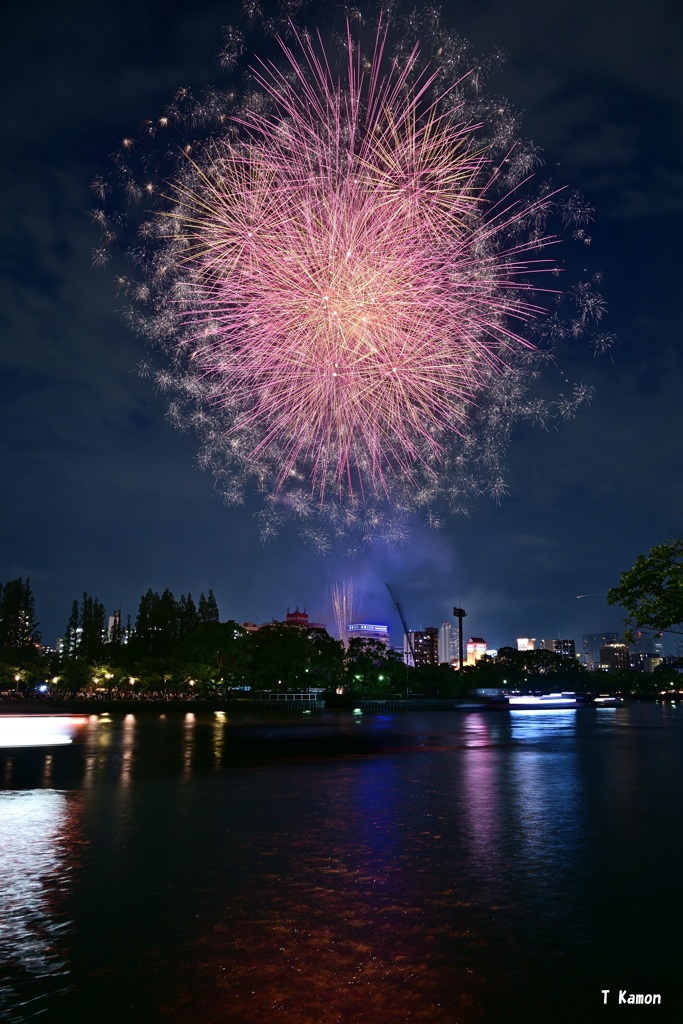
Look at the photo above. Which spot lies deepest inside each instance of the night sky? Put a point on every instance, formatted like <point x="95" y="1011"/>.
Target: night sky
<point x="101" y="494"/>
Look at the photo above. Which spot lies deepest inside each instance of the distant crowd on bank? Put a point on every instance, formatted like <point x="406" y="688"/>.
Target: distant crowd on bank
<point x="36" y="697"/>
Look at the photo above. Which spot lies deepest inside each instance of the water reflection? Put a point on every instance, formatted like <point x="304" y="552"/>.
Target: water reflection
<point x="218" y="737"/>
<point x="547" y="831"/>
<point x="38" y="829"/>
<point x="535" y="726"/>
<point x="127" y="749"/>
<point x="353" y="902"/>
<point x="189" y="724"/>
<point x="477" y="730"/>
<point x="97" y="743"/>
<point x="482" y="797"/>
<point x="418" y="867"/>
<point x="545" y="782"/>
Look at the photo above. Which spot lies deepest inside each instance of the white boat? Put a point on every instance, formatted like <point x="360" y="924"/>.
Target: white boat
<point x="547" y="701"/>
<point x="38" y="730"/>
<point x="606" y="700"/>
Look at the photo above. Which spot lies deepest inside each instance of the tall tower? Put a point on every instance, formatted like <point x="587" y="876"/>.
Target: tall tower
<point x="460" y="614"/>
<point x="448" y="643"/>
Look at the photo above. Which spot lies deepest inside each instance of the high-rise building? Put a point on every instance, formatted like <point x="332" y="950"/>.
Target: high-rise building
<point x="69" y="644"/>
<point x="642" y="661"/>
<point x="425" y="647"/>
<point x="646" y="643"/>
<point x="567" y="648"/>
<point x="642" y="653"/>
<point x="116" y="631"/>
<point x="642" y="644"/>
<point x="369" y="631"/>
<point x="476" y="649"/>
<point x="297" y="618"/>
<point x="448" y="643"/>
<point x="592" y="642"/>
<point x="432" y="644"/>
<point x="614" y="657"/>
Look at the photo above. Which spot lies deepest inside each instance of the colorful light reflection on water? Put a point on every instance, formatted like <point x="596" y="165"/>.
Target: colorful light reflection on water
<point x="38" y="854"/>
<point x="447" y="868"/>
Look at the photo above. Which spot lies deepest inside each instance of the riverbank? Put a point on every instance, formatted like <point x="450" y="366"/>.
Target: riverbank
<point x="282" y="705"/>
<point x="299" y="702"/>
<point x="97" y="706"/>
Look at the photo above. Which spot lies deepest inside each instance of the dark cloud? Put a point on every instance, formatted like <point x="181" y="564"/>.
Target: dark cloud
<point x="100" y="494"/>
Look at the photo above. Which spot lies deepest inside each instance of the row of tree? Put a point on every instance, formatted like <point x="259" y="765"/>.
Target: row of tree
<point x="218" y="658"/>
<point x="176" y="644"/>
<point x="163" y="623"/>
<point x="19" y="635"/>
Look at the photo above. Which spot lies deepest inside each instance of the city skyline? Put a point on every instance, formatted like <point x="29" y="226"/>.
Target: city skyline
<point x="102" y="495"/>
<point x="445" y="634"/>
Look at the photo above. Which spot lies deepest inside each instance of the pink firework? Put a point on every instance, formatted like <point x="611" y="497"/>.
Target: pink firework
<point x="341" y="272"/>
<point x="349" y="285"/>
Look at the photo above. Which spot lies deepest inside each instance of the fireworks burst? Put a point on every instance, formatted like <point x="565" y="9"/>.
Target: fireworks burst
<point x="344" y="606"/>
<point x="343" y="278"/>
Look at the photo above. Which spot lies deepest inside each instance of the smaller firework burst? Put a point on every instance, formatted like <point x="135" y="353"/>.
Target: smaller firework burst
<point x="344" y="597"/>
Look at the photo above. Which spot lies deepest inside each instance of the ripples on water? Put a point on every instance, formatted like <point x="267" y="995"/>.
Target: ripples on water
<point x="420" y="867"/>
<point x="34" y="872"/>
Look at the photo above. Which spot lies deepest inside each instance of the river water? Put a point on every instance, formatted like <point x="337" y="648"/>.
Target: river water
<point x="442" y="867"/>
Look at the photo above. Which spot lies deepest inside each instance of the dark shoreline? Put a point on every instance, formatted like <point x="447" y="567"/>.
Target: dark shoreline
<point x="96" y="706"/>
<point x="277" y="707"/>
<point x="83" y="706"/>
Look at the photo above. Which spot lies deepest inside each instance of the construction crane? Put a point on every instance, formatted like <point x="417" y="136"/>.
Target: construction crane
<point x="399" y="608"/>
